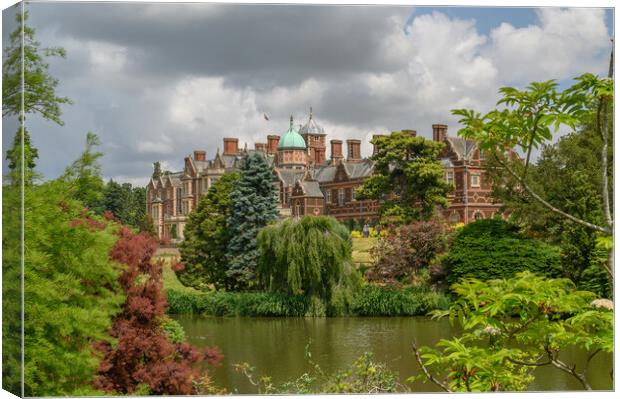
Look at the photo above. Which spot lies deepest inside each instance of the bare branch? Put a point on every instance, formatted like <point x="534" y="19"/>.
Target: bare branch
<point x="425" y="370"/>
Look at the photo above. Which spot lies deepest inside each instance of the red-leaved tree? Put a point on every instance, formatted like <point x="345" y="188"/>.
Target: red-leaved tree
<point x="144" y="356"/>
<point x="407" y="250"/>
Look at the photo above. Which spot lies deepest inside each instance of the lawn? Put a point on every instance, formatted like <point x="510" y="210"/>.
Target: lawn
<point x="169" y="256"/>
<point x="361" y="250"/>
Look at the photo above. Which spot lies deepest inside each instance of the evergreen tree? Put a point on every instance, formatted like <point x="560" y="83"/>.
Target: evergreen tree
<point x="125" y="202"/>
<point x="408" y="178"/>
<point x="85" y="175"/>
<point x="207" y="235"/>
<point x="14" y="156"/>
<point x="254" y="205"/>
<point x="38" y="90"/>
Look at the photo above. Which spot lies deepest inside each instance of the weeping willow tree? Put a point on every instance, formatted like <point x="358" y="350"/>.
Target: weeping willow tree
<point x="310" y="256"/>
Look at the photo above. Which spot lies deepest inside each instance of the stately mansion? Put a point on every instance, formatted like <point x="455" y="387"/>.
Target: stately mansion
<point x="309" y="183"/>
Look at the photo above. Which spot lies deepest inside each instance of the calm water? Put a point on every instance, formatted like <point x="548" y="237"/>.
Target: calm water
<point x="275" y="346"/>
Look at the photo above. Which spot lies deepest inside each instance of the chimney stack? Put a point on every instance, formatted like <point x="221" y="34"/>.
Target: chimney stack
<point x="272" y="143"/>
<point x="262" y="147"/>
<point x="353" y="150"/>
<point x="231" y="146"/>
<point x="200" y="155"/>
<point x="411" y="132"/>
<point x="336" y="150"/>
<point x="375" y="147"/>
<point x="440" y="132"/>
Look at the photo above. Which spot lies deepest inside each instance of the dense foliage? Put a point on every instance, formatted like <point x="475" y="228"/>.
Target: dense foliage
<point x="308" y="256"/>
<point x="573" y="181"/>
<point x="71" y="291"/>
<point x="384" y="301"/>
<point x="511" y="327"/>
<point x="492" y="248"/>
<point x="367" y="301"/>
<point x="567" y="173"/>
<point x="207" y="235"/>
<point x="254" y="205"/>
<point x="410" y="248"/>
<point x="407" y="177"/>
<point x="126" y="203"/>
<point x="145" y="358"/>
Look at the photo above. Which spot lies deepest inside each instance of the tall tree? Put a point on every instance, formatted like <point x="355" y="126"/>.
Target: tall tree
<point x="567" y="173"/>
<point x="254" y="205"/>
<point x="85" y="174"/>
<point x="309" y="256"/>
<point x="408" y="177"/>
<point x="207" y="235"/>
<point x="24" y="56"/>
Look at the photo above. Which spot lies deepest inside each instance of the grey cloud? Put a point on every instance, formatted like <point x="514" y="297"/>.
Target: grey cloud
<point x="249" y="44"/>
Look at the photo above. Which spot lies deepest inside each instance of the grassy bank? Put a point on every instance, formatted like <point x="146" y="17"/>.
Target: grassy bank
<point x="369" y="301"/>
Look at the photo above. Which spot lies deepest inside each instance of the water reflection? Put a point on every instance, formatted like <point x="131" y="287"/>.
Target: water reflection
<point x="276" y="347"/>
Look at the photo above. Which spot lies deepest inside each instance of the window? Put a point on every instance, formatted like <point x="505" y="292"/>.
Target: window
<point x="179" y="207"/>
<point x="328" y="196"/>
<point x="340" y="196"/>
<point x="450" y="177"/>
<point x="478" y="216"/>
<point x="455" y="217"/>
<point x="475" y="180"/>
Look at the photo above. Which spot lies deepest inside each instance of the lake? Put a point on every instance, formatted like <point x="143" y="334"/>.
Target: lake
<point x="276" y="347"/>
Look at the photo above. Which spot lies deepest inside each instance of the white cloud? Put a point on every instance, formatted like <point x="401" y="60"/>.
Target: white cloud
<point x="566" y="42"/>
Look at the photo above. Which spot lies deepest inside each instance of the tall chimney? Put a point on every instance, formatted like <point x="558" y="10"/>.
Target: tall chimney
<point x="411" y="132"/>
<point x="262" y="147"/>
<point x="200" y="155"/>
<point x="353" y="150"/>
<point x="231" y="146"/>
<point x="336" y="150"/>
<point x="375" y="146"/>
<point x="272" y="143"/>
<point x="440" y="132"/>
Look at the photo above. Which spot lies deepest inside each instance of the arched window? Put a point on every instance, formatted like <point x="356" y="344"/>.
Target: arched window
<point x="478" y="215"/>
<point x="297" y="208"/>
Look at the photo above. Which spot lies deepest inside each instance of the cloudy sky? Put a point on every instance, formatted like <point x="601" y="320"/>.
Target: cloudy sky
<point x="156" y="81"/>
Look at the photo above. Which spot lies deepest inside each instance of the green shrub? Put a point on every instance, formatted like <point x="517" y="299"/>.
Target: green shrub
<point x="384" y="301"/>
<point x="491" y="249"/>
<point x="173" y="329"/>
<point x="368" y="301"/>
<point x="219" y="303"/>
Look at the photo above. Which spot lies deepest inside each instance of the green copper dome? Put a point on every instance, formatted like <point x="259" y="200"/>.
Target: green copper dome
<point x="291" y="139"/>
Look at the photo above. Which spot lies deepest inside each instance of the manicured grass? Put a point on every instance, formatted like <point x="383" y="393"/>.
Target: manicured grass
<point x="169" y="256"/>
<point x="361" y="250"/>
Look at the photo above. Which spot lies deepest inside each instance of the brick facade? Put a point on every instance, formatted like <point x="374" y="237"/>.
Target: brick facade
<point x="310" y="184"/>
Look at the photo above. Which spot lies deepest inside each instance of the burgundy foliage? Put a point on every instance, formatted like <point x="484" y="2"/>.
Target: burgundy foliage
<point x="407" y="250"/>
<point x="143" y="353"/>
<point x="85" y="219"/>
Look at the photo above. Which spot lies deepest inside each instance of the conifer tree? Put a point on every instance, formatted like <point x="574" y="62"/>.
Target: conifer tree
<point x="38" y="90"/>
<point x="207" y="235"/>
<point x="254" y="202"/>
